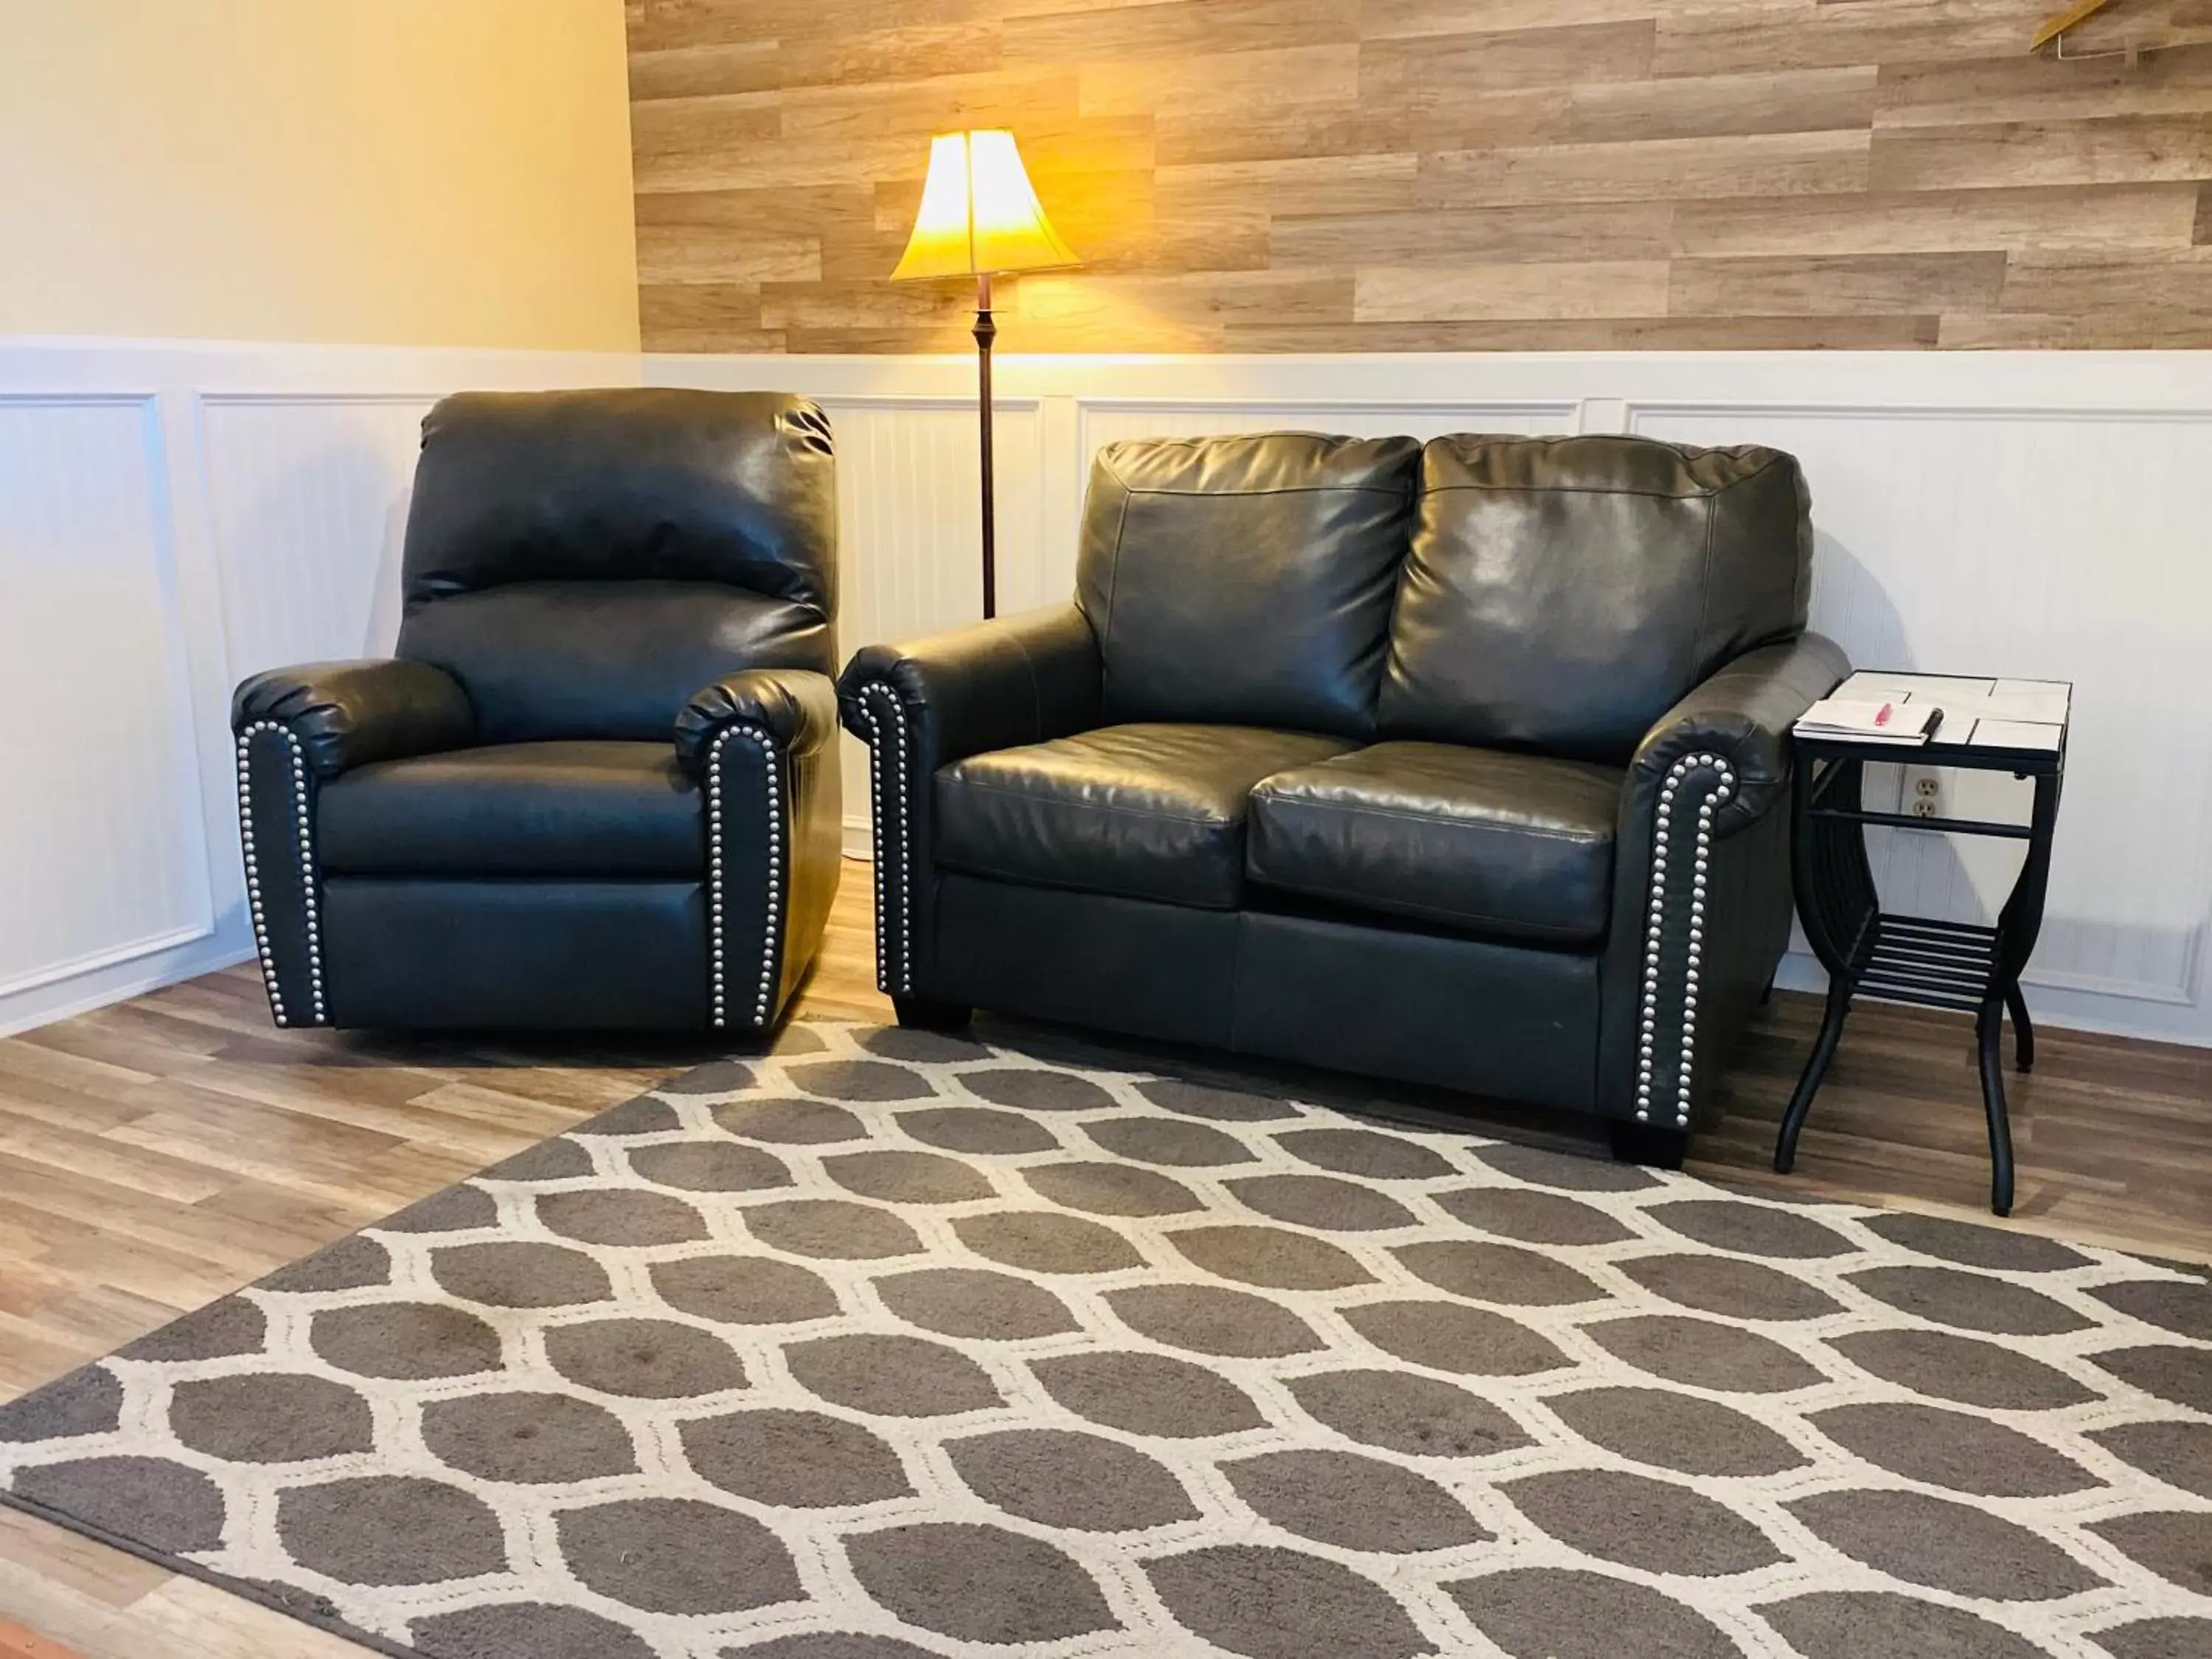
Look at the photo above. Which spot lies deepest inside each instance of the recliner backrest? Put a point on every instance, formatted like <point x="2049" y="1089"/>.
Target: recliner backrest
<point x="1245" y="580"/>
<point x="1562" y="593"/>
<point x="583" y="561"/>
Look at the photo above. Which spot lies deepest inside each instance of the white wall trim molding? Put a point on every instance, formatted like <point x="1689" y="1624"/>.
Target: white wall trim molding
<point x="938" y="402"/>
<point x="190" y="764"/>
<point x="121" y="399"/>
<point x="102" y="987"/>
<point x="2063" y="381"/>
<point x="2070" y="414"/>
<point x="302" y="399"/>
<point x="1407" y="409"/>
<point x="92" y="962"/>
<point x="2180" y="994"/>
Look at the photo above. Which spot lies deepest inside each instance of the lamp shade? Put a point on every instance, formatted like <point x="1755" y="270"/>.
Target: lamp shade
<point x="979" y="214"/>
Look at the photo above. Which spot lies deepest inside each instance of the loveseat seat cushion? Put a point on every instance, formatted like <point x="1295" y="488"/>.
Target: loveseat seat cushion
<point x="1246" y="581"/>
<point x="1479" y="841"/>
<point x="1563" y="593"/>
<point x="595" y="808"/>
<point x="1149" y="811"/>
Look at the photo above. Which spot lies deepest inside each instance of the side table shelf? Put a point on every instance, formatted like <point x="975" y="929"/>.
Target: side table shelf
<point x="1937" y="963"/>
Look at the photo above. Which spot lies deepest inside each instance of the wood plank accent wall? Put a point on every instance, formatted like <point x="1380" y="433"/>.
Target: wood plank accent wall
<point x="1434" y="175"/>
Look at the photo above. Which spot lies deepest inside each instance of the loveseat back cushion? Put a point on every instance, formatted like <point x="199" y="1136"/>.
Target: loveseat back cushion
<point x="1245" y="579"/>
<point x="1562" y="593"/>
<point x="583" y="561"/>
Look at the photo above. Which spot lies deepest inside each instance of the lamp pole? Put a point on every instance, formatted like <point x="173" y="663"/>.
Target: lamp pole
<point x="986" y="330"/>
<point x="979" y="216"/>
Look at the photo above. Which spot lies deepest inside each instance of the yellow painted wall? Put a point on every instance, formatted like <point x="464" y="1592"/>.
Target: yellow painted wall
<point x="398" y="172"/>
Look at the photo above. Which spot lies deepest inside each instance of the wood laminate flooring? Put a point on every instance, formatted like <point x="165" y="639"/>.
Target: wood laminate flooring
<point x="160" y="1153"/>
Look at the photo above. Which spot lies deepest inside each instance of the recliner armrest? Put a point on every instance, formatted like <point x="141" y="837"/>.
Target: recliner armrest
<point x="1742" y="714"/>
<point x="348" y="714"/>
<point x="997" y="684"/>
<point x="796" y="707"/>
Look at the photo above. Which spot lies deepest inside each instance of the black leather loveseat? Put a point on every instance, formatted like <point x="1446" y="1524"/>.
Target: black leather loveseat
<point x="1458" y="764"/>
<point x="598" y="785"/>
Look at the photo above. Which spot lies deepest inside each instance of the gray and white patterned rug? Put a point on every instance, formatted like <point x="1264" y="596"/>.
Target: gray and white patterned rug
<point x="897" y="1344"/>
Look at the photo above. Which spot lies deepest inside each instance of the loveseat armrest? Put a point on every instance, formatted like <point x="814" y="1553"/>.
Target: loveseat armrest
<point x="1741" y="715"/>
<point x="1701" y="883"/>
<point x="997" y="684"/>
<point x="345" y="714"/>
<point x="919" y="706"/>
<point x="797" y="707"/>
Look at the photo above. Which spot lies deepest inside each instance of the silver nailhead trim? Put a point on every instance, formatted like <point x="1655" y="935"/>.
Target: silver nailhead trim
<point x="772" y="798"/>
<point x="886" y="980"/>
<point x="298" y="756"/>
<point x="1647" y="1041"/>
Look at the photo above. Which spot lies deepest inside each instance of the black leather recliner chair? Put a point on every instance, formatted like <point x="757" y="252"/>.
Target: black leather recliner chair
<point x="1458" y="764"/>
<point x="598" y="785"/>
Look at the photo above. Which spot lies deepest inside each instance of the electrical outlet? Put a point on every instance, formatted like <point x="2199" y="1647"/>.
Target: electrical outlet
<point x="1923" y="792"/>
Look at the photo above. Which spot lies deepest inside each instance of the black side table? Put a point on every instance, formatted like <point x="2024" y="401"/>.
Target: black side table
<point x="1940" y="964"/>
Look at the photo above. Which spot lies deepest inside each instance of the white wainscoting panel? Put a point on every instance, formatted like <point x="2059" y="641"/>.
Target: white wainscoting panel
<point x="174" y="516"/>
<point x="106" y="860"/>
<point x="308" y="496"/>
<point x="2042" y="546"/>
<point x="1108" y="420"/>
<point x="909" y="529"/>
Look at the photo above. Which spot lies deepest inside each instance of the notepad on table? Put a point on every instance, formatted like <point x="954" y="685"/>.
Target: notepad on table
<point x="1870" y="720"/>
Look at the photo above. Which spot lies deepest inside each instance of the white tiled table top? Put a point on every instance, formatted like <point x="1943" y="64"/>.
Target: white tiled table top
<point x="1977" y="714"/>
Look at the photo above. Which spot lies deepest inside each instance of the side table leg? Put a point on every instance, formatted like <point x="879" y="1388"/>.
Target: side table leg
<point x="2023" y="1033"/>
<point x="1989" y="1030"/>
<point x="1816" y="1067"/>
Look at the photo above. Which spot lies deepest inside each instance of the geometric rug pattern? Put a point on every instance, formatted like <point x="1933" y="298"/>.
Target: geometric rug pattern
<point x="892" y="1345"/>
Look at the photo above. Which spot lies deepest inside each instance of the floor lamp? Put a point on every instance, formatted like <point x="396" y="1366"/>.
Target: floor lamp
<point x="979" y="218"/>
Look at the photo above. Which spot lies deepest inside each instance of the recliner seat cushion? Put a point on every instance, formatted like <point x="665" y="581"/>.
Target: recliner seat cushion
<point x="1563" y="593"/>
<point x="1246" y="581"/>
<point x="1148" y="811"/>
<point x="518" y="809"/>
<point x="1479" y="841"/>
